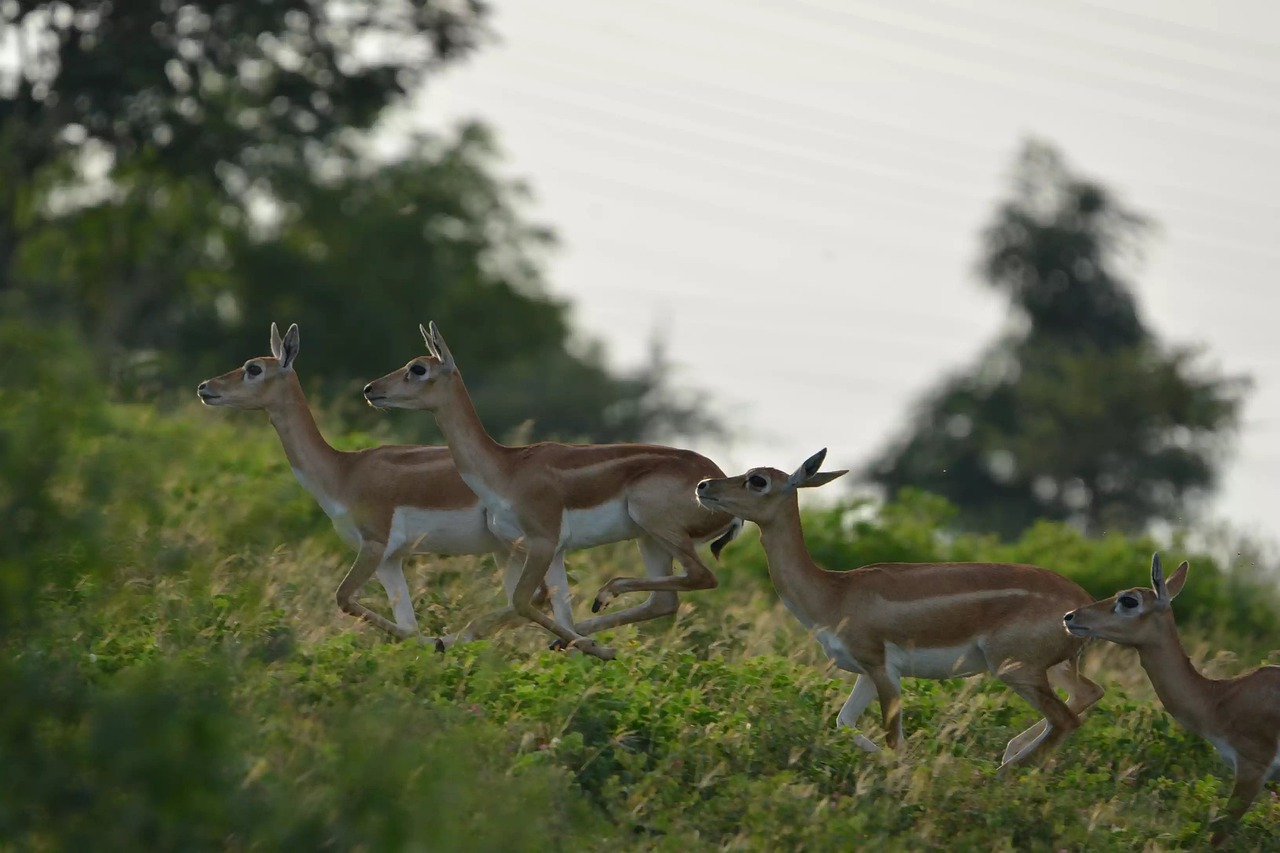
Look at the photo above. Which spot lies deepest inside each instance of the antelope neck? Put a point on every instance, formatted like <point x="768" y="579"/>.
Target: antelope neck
<point x="304" y="446"/>
<point x="1181" y="687"/>
<point x="801" y="583"/>
<point x="475" y="453"/>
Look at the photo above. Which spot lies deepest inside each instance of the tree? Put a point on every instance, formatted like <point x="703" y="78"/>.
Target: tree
<point x="1078" y="412"/>
<point x="174" y="175"/>
<point x="217" y="89"/>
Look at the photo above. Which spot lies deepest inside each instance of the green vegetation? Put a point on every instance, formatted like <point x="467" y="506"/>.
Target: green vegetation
<point x="176" y="675"/>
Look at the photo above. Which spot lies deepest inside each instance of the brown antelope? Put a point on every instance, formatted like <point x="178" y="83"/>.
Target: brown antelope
<point x="1239" y="716"/>
<point x="921" y="620"/>
<point x="387" y="502"/>
<point x="545" y="499"/>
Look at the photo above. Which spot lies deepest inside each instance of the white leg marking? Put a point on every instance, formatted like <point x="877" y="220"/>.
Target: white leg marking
<point x="863" y="692"/>
<point x="391" y="576"/>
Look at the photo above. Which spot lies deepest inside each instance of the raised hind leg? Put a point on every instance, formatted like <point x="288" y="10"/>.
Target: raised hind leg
<point x="1081" y="695"/>
<point x="657" y="564"/>
<point x="1061" y="721"/>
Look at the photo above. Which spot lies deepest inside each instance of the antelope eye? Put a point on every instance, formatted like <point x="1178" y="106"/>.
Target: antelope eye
<point x="418" y="370"/>
<point x="253" y="369"/>
<point x="755" y="481"/>
<point x="1128" y="602"/>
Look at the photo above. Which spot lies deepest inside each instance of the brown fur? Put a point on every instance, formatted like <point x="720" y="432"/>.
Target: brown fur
<point x="929" y="608"/>
<point x="1242" y="712"/>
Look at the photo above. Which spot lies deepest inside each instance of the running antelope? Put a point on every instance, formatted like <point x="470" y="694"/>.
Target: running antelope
<point x="387" y="502"/>
<point x="549" y="498"/>
<point x="922" y="620"/>
<point x="1239" y="716"/>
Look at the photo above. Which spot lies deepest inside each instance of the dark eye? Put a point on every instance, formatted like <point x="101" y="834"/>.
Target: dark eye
<point x="418" y="370"/>
<point x="253" y="369"/>
<point x="755" y="481"/>
<point x="1128" y="602"/>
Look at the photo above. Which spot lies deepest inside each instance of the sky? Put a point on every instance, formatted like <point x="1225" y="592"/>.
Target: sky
<point x="790" y="192"/>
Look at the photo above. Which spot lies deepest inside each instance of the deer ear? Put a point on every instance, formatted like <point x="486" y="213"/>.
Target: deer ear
<point x="289" y="347"/>
<point x="426" y="339"/>
<point x="276" y="343"/>
<point x="1177" y="579"/>
<point x="440" y="347"/>
<point x="807" y="470"/>
<point x="1157" y="578"/>
<point x="821" y="479"/>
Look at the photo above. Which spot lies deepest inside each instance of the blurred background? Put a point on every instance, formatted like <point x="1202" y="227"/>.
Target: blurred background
<point x="1014" y="253"/>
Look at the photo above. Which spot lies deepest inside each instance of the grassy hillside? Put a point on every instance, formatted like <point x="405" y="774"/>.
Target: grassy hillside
<point x="175" y="674"/>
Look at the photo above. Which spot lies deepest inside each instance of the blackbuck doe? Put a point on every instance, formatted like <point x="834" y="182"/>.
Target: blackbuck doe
<point x="545" y="499"/>
<point x="1239" y="716"/>
<point x="921" y="620"/>
<point x="387" y="502"/>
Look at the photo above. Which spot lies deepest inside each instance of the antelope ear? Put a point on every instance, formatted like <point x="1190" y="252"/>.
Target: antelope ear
<point x="426" y="339"/>
<point x="440" y="347"/>
<point x="1157" y="578"/>
<point x="289" y="347"/>
<point x="276" y="343"/>
<point x="807" y="470"/>
<point x="822" y="479"/>
<point x="1177" y="579"/>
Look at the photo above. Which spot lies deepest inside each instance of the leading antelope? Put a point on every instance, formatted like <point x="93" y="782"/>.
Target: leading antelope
<point x="922" y="620"/>
<point x="549" y="498"/>
<point x="1239" y="716"/>
<point x="387" y="502"/>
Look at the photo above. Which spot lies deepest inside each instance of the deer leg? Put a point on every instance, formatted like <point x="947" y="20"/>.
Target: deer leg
<point x="390" y="574"/>
<point x="1250" y="777"/>
<point x="1035" y="688"/>
<point x="538" y="560"/>
<point x="1081" y="695"/>
<point x="366" y="562"/>
<point x="696" y="574"/>
<point x="657" y="564"/>
<point x="864" y="690"/>
<point x="889" y="690"/>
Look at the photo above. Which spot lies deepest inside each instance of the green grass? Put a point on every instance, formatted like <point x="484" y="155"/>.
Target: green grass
<point x="175" y="675"/>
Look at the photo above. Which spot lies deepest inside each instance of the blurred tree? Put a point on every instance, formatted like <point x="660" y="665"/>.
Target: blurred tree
<point x="178" y="174"/>
<point x="1077" y="413"/>
<point x="215" y="89"/>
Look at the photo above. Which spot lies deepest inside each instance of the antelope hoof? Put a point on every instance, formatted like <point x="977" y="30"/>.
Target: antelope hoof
<point x="865" y="743"/>
<point x="435" y="642"/>
<point x="602" y="600"/>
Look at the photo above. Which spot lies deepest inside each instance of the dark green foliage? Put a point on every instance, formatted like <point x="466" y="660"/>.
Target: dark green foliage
<point x="187" y="683"/>
<point x="1078" y="413"/>
<point x="174" y="176"/>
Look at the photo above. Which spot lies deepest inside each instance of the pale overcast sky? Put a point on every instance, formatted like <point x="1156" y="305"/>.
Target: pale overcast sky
<point x="791" y="191"/>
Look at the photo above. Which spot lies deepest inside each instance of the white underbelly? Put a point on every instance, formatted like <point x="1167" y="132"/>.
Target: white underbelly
<point x="458" y="531"/>
<point x="600" y="525"/>
<point x="942" y="662"/>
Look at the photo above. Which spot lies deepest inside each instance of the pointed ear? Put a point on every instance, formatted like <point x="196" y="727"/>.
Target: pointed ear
<point x="1157" y="578"/>
<point x="1177" y="579"/>
<point x="821" y="479"/>
<point x="276" y="342"/>
<point x="441" y="348"/>
<point x="289" y="348"/>
<point x="426" y="339"/>
<point x="807" y="470"/>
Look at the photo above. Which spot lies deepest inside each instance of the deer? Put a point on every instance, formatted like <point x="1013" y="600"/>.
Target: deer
<point x="548" y="498"/>
<point x="1239" y="716"/>
<point x="887" y="621"/>
<point x="387" y="502"/>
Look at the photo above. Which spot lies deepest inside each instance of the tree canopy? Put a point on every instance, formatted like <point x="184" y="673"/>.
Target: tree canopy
<point x="176" y="175"/>
<point x="1078" y="412"/>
